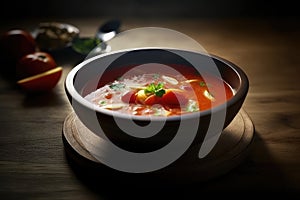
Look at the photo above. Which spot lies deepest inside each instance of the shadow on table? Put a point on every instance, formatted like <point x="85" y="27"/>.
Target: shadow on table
<point x="67" y="56"/>
<point x="8" y="71"/>
<point x="46" y="99"/>
<point x="253" y="176"/>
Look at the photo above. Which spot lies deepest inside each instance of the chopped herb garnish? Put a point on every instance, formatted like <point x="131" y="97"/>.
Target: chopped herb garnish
<point x="155" y="89"/>
<point x="102" y="102"/>
<point x="202" y="84"/>
<point x="192" y="106"/>
<point x="160" y="92"/>
<point x="117" y="86"/>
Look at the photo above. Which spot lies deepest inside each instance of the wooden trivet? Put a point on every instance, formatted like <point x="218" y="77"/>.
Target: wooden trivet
<point x="230" y="150"/>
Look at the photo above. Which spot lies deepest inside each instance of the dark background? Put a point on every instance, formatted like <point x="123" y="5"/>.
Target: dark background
<point x="150" y="9"/>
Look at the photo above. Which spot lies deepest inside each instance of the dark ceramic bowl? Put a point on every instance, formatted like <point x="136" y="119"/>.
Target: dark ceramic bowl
<point x="96" y="71"/>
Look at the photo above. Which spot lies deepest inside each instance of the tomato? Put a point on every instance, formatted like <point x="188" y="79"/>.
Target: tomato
<point x="129" y="97"/>
<point x="38" y="72"/>
<point x="174" y="98"/>
<point x="34" y="63"/>
<point x="17" y="43"/>
<point x="152" y="99"/>
<point x="41" y="82"/>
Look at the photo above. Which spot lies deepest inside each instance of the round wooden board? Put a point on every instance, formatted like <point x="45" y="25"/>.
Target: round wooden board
<point x="230" y="150"/>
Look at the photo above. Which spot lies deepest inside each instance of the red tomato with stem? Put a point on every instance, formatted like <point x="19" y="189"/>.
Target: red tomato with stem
<point x="17" y="43"/>
<point x="34" y="63"/>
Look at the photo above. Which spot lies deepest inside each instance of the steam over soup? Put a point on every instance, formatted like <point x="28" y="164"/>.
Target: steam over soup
<point x="161" y="94"/>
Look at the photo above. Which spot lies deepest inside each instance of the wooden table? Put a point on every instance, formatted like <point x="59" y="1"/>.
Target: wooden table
<point x="33" y="163"/>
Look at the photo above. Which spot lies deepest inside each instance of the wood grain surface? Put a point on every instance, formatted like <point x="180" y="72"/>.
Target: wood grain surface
<point x="33" y="163"/>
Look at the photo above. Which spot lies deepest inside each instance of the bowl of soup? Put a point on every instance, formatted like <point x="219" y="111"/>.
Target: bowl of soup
<point x="140" y="98"/>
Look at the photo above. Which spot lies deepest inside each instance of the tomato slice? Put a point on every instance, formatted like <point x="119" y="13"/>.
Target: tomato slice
<point x="129" y="97"/>
<point x="152" y="99"/>
<point x="174" y="98"/>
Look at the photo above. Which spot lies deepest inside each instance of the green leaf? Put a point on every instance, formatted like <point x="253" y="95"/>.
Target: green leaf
<point x="85" y="45"/>
<point x="102" y="102"/>
<point x="117" y="86"/>
<point x="202" y="84"/>
<point x="160" y="92"/>
<point x="155" y="89"/>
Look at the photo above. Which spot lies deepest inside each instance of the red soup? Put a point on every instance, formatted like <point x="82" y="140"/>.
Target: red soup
<point x="162" y="94"/>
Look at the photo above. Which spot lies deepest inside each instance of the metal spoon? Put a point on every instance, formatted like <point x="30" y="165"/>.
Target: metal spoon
<point x="92" y="46"/>
<point x="108" y="30"/>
